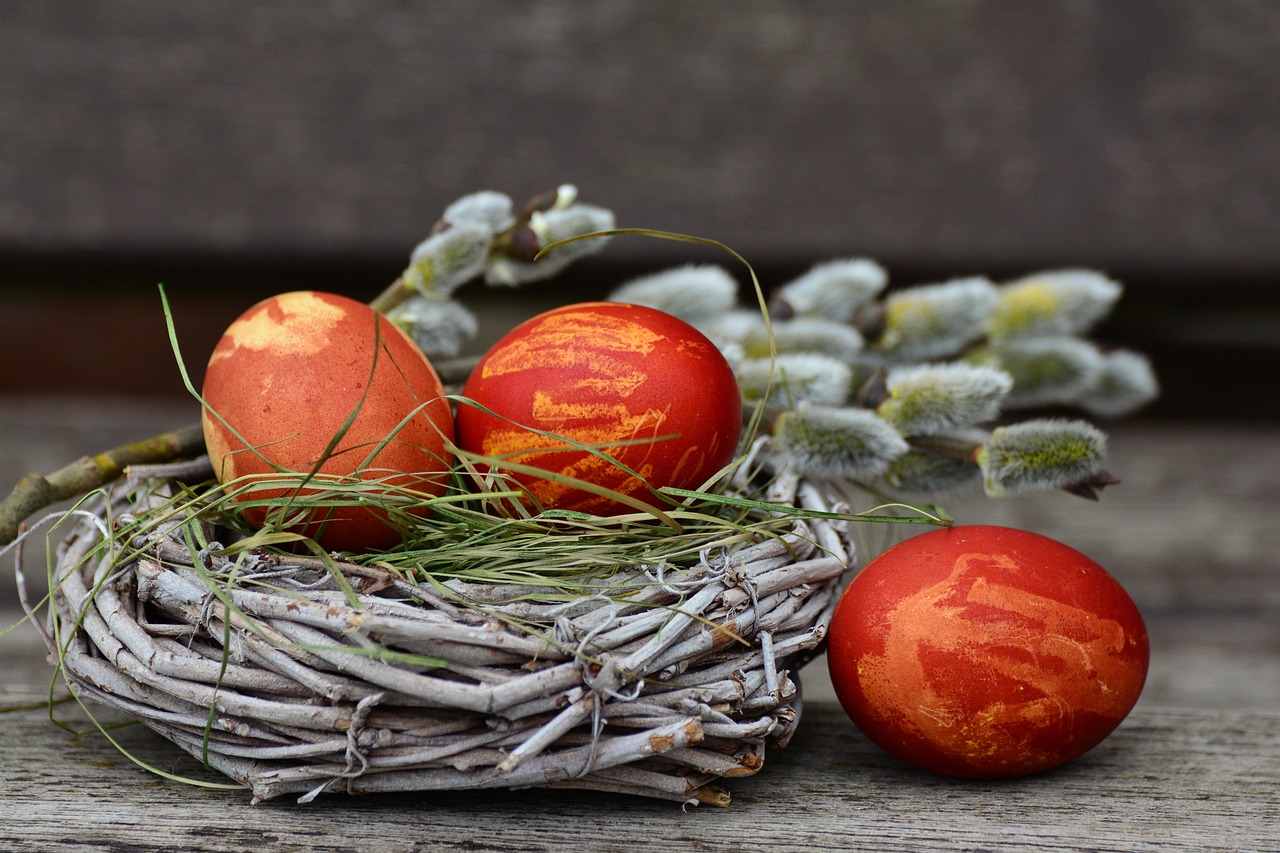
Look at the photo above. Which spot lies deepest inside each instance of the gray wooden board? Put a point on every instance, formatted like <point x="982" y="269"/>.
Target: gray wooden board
<point x="939" y="134"/>
<point x="1166" y="780"/>
<point x="1191" y="532"/>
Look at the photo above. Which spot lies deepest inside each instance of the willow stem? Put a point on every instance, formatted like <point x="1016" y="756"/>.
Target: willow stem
<point x="956" y="448"/>
<point x="34" y="492"/>
<point x="397" y="292"/>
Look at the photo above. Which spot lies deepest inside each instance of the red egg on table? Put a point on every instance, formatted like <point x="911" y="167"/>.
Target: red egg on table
<point x="986" y="652"/>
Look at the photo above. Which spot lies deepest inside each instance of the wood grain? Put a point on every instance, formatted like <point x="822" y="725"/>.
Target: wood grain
<point x="1196" y="766"/>
<point x="1167" y="780"/>
<point x="946" y="135"/>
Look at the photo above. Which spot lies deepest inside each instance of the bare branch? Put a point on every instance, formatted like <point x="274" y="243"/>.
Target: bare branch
<point x="34" y="492"/>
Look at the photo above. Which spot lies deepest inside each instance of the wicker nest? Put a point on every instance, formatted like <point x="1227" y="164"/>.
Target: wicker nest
<point x="678" y="676"/>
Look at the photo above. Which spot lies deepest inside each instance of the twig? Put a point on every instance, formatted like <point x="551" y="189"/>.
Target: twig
<point x="34" y="492"/>
<point x="601" y="693"/>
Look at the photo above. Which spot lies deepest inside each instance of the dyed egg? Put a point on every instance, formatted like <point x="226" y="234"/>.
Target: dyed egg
<point x="286" y="378"/>
<point x="646" y="389"/>
<point x="986" y="652"/>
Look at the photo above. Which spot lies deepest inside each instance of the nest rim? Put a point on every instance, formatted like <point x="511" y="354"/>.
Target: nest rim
<point x="659" y="698"/>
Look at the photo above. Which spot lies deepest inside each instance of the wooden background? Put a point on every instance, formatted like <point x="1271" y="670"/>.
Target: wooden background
<point x="230" y="151"/>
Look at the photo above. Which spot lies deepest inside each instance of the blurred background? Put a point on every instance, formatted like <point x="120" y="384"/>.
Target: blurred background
<point x="232" y="151"/>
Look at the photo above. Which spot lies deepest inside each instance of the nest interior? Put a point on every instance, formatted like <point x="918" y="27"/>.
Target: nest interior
<point x="664" y="679"/>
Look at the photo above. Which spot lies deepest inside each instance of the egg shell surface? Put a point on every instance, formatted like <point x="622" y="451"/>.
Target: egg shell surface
<point x="986" y="652"/>
<point x="598" y="373"/>
<point x="288" y="374"/>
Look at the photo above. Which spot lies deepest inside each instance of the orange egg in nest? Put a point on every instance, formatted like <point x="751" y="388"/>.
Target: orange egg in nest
<point x="314" y="392"/>
<point x="642" y="387"/>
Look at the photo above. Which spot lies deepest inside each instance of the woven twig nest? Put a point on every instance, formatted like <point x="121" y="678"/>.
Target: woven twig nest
<point x="667" y="678"/>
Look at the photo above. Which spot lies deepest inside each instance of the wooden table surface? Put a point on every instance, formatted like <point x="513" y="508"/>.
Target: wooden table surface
<point x="1192" y="533"/>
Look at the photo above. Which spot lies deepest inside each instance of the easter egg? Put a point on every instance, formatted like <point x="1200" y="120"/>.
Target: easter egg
<point x="986" y="652"/>
<point x="642" y="388"/>
<point x="313" y="397"/>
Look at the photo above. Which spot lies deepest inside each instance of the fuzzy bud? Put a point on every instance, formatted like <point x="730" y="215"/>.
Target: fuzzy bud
<point x="1124" y="384"/>
<point x="833" y="443"/>
<point x="806" y="334"/>
<point x="440" y="327"/>
<point x="445" y="261"/>
<point x="489" y="208"/>
<point x="1040" y="454"/>
<point x="694" y="293"/>
<point x="1045" y="371"/>
<point x="925" y="471"/>
<point x="1061" y="302"/>
<point x="545" y="228"/>
<point x="794" y="378"/>
<point x="936" y="320"/>
<point x="929" y="399"/>
<point x="733" y="328"/>
<point x="566" y="196"/>
<point x="833" y="290"/>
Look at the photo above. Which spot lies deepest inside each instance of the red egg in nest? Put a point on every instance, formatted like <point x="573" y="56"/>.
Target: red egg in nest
<point x="292" y="373"/>
<point x="644" y="388"/>
<point x="986" y="652"/>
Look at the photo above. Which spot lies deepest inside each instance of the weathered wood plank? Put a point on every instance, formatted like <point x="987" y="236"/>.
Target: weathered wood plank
<point x="1196" y="766"/>
<point x="1167" y="780"/>
<point x="947" y="135"/>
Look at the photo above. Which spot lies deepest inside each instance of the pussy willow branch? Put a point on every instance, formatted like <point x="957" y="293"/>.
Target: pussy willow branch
<point x="517" y="240"/>
<point x="34" y="492"/>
